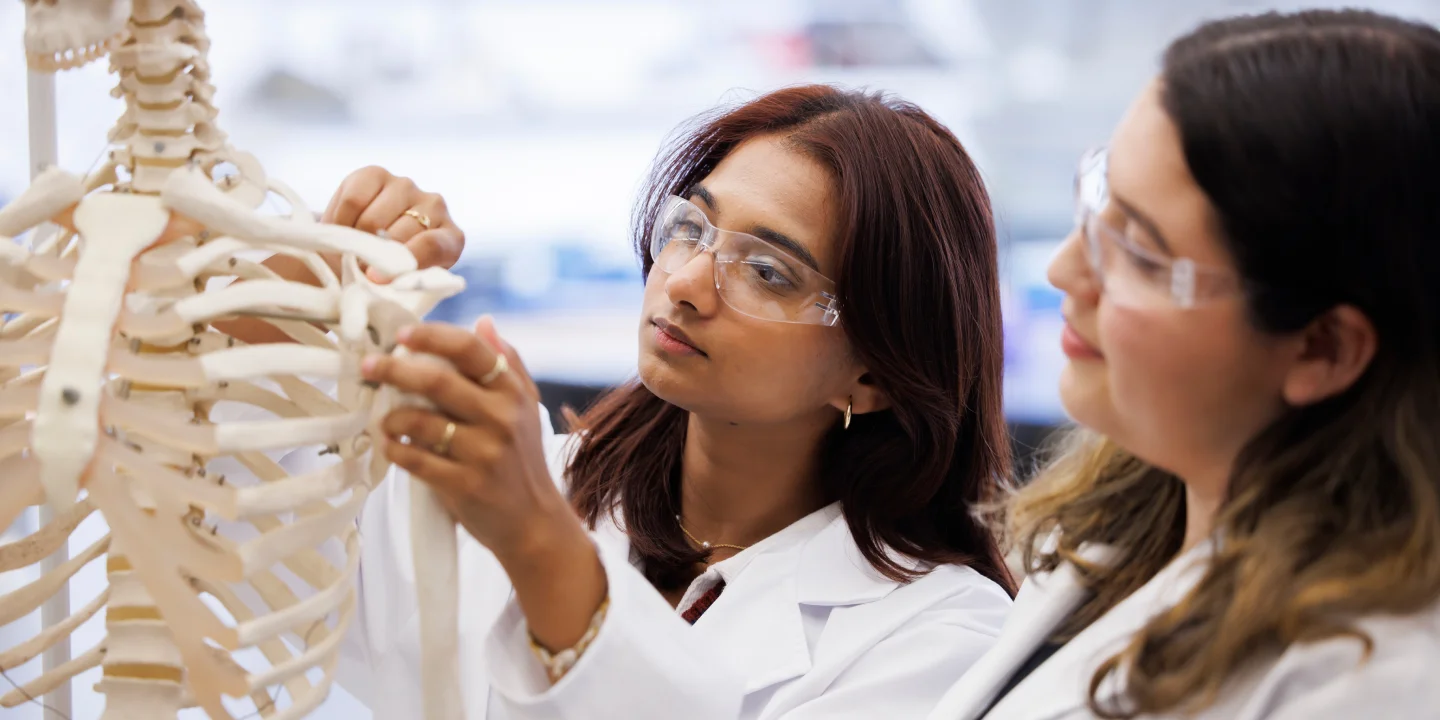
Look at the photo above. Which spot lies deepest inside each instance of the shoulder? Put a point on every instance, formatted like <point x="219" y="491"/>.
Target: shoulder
<point x="1403" y="655"/>
<point x="962" y="583"/>
<point x="834" y="572"/>
<point x="1337" y="677"/>
<point x="897" y="654"/>
<point x="959" y="597"/>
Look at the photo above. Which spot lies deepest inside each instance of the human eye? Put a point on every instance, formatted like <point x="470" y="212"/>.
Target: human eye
<point x="685" y="230"/>
<point x="1145" y="264"/>
<point x="1143" y="261"/>
<point x="772" y="273"/>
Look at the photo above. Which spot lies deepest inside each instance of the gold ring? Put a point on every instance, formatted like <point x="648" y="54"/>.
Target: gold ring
<point x="420" y="217"/>
<point x="501" y="365"/>
<point x="442" y="448"/>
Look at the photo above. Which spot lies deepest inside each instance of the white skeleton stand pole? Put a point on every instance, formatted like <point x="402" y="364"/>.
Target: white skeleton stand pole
<point x="45" y="153"/>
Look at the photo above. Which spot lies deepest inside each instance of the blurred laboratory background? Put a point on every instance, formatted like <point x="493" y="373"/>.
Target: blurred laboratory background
<point x="537" y="120"/>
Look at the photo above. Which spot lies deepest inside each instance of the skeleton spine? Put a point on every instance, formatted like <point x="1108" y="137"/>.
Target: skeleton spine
<point x="164" y="73"/>
<point x="169" y="121"/>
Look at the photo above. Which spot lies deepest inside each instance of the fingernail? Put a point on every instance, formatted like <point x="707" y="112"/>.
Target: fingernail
<point x="367" y="366"/>
<point x="403" y="335"/>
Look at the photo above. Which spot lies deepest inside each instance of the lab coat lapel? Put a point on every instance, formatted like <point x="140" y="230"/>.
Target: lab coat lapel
<point x="832" y="573"/>
<point x="758" y="623"/>
<point x="833" y="581"/>
<point x="1043" y="603"/>
<point x="1061" y="685"/>
<point x="760" y="616"/>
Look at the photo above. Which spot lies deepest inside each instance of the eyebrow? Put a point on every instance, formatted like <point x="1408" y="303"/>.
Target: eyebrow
<point x="1144" y="222"/>
<point x="786" y="243"/>
<point x="769" y="235"/>
<point x="699" y="191"/>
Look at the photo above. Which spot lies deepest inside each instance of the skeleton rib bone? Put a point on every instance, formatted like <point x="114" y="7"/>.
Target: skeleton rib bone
<point x="118" y="392"/>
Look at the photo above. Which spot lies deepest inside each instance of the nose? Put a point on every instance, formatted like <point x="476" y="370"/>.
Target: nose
<point x="1070" y="270"/>
<point x="693" y="284"/>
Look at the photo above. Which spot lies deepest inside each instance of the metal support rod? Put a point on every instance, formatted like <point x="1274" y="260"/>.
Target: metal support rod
<point x="45" y="152"/>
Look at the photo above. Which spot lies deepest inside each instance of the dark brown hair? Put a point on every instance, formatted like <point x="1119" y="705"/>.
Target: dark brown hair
<point x="1316" y="137"/>
<point x="917" y="281"/>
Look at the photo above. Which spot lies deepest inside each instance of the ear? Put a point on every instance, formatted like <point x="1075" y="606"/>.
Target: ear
<point x="1335" y="350"/>
<point x="864" y="396"/>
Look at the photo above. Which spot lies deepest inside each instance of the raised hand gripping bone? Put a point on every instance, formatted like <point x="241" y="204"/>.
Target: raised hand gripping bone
<point x="112" y="366"/>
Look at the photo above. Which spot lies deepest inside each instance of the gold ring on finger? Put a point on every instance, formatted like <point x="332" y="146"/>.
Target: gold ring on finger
<point x="420" y="217"/>
<point x="442" y="448"/>
<point x="501" y="365"/>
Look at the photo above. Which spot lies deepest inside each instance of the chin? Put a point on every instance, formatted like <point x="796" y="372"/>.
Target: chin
<point x="1086" y="398"/>
<point x="664" y="382"/>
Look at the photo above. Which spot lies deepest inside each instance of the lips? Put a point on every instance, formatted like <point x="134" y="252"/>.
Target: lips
<point x="1077" y="347"/>
<point x="669" y="328"/>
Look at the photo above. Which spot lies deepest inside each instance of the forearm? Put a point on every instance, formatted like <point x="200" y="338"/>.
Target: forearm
<point x="559" y="582"/>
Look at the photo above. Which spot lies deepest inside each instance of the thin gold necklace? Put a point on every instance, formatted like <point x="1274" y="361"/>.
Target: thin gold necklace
<point x="705" y="545"/>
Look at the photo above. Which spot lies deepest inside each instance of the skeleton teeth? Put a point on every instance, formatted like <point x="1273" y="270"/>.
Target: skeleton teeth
<point x="72" y="58"/>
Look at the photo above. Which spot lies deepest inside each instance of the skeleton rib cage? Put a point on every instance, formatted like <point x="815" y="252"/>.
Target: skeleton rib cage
<point x="114" y="370"/>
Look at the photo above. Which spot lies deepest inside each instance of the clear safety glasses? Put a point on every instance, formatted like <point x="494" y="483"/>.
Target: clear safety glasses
<point x="754" y="277"/>
<point x="1133" y="266"/>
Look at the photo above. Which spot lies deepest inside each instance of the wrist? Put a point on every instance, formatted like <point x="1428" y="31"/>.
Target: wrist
<point x="553" y="539"/>
<point x="558" y="578"/>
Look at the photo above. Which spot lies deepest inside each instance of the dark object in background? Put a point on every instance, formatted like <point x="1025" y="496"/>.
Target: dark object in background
<point x="1026" y="439"/>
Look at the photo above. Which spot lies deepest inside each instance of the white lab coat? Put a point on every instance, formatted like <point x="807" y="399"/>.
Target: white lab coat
<point x="1322" y="681"/>
<point x="804" y="629"/>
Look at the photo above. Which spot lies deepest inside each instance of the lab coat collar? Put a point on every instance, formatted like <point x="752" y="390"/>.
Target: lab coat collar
<point x="759" y="620"/>
<point x="827" y="566"/>
<point x="1043" y="604"/>
<point x="833" y="573"/>
<point x="797" y="534"/>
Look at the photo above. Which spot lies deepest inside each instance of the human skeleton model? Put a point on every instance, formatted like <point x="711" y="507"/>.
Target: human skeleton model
<point x="111" y="363"/>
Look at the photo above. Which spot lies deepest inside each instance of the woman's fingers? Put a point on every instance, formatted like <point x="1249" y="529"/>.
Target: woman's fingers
<point x="485" y="329"/>
<point x="426" y="430"/>
<point x="373" y="199"/>
<point x="454" y="394"/>
<point x="472" y="356"/>
<point x="354" y="195"/>
<point x="445" y="475"/>
<point x="439" y="247"/>
<point x="391" y="203"/>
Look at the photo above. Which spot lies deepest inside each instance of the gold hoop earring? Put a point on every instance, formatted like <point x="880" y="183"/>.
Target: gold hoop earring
<point x="848" y="405"/>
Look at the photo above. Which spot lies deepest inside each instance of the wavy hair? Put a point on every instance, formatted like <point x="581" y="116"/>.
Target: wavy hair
<point x="1316" y="136"/>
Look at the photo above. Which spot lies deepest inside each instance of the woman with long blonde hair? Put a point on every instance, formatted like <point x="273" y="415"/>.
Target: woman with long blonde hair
<point x="1248" y="524"/>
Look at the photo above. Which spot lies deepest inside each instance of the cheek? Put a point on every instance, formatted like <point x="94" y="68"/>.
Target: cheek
<point x="1151" y="360"/>
<point x="1181" y="385"/>
<point x="758" y="372"/>
<point x="774" y="370"/>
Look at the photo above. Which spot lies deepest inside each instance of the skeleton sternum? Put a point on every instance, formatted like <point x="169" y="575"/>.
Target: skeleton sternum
<point x="115" y="229"/>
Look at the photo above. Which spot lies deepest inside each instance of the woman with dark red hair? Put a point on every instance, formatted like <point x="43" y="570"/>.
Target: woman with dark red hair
<point x="775" y="520"/>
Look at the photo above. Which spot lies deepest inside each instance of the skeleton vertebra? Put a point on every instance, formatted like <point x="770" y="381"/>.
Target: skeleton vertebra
<point x="111" y="365"/>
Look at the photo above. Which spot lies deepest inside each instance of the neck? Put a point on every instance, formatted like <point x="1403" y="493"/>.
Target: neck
<point x="743" y="483"/>
<point x="169" y="118"/>
<point x="1204" y="496"/>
